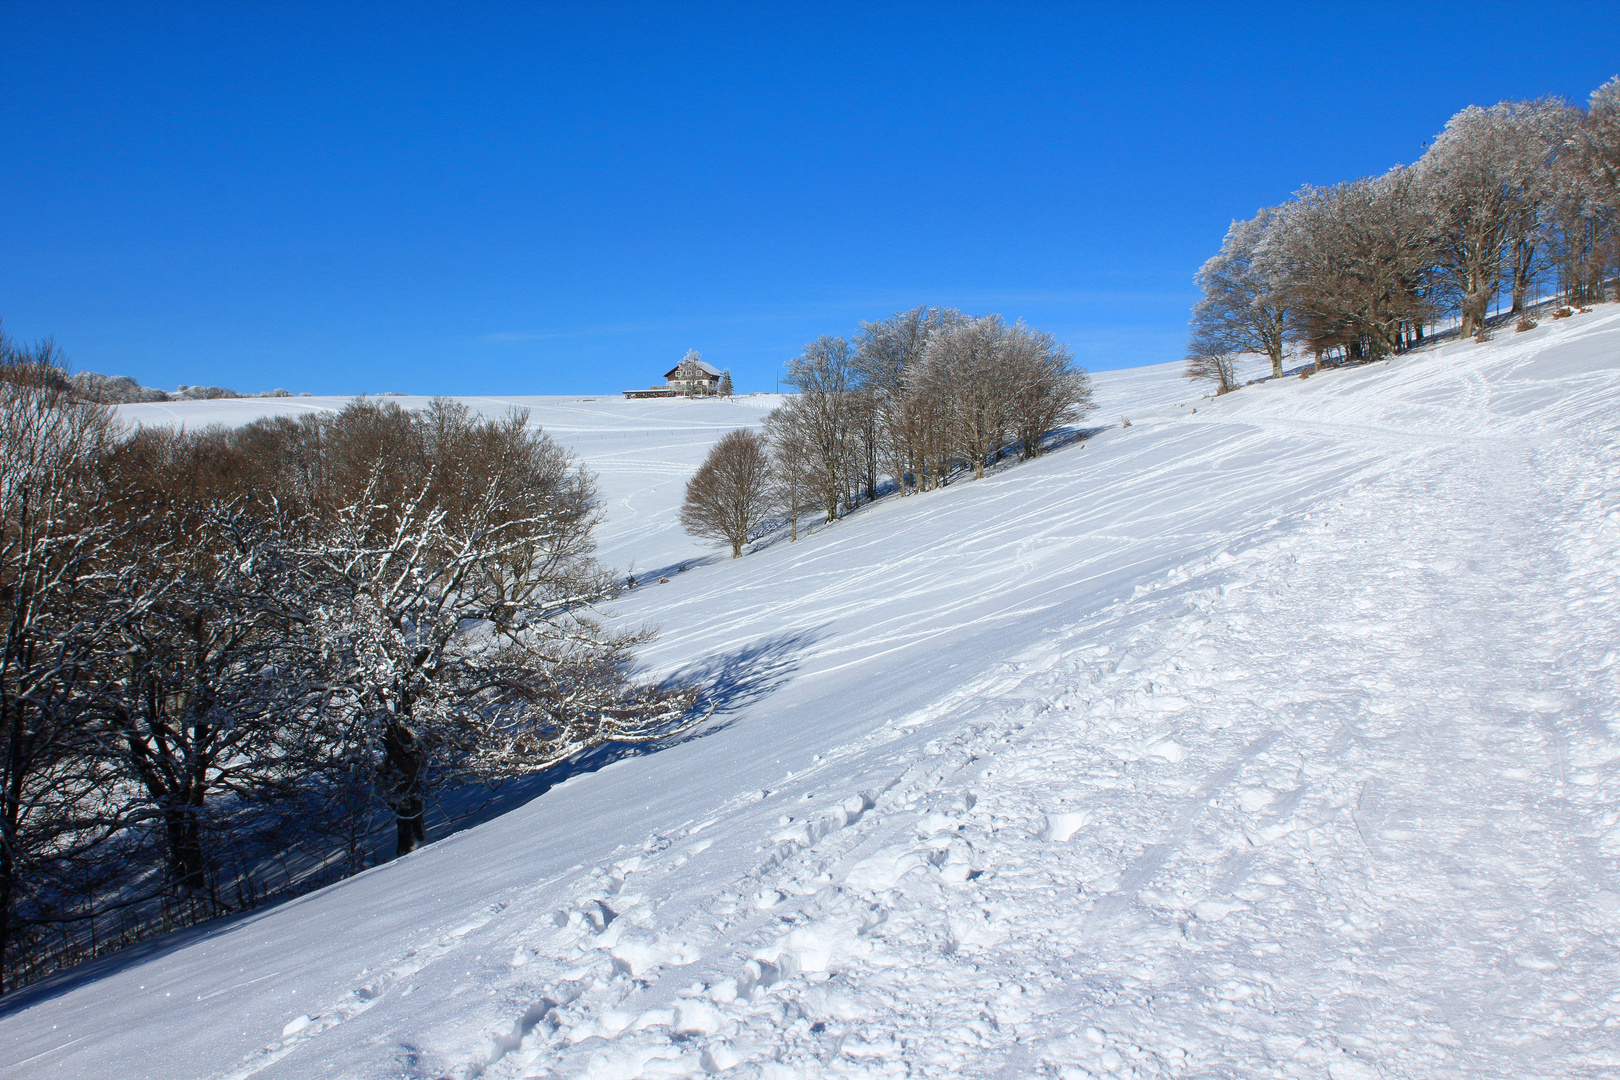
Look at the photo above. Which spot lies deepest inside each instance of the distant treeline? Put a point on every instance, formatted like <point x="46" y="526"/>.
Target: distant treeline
<point x="224" y="648"/>
<point x="1507" y="199"/>
<point x="913" y="400"/>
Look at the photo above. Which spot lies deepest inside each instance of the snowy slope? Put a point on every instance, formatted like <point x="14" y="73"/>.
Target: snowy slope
<point x="1278" y="738"/>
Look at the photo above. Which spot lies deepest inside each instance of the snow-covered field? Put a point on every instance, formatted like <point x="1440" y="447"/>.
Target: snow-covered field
<point x="1277" y="738"/>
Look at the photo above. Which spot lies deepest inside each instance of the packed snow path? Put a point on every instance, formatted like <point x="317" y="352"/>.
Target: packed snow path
<point x="1278" y="739"/>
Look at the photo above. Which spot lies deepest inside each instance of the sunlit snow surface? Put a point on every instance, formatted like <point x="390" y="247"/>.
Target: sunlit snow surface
<point x="1275" y="739"/>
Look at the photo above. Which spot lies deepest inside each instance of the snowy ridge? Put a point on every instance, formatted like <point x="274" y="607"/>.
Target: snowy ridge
<point x="1275" y="739"/>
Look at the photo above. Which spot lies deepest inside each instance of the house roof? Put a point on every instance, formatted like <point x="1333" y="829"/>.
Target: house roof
<point x="670" y="374"/>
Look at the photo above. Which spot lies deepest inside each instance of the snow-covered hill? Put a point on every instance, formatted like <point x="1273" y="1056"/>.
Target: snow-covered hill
<point x="1275" y="738"/>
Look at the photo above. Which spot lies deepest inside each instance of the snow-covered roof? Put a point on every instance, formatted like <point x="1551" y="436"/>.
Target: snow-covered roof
<point x="708" y="369"/>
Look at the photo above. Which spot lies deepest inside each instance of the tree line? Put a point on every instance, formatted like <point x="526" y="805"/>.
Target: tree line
<point x="909" y="403"/>
<point x="223" y="647"/>
<point x="1506" y="199"/>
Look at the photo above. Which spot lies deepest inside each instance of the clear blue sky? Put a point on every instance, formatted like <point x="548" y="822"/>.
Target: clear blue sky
<point x="527" y="198"/>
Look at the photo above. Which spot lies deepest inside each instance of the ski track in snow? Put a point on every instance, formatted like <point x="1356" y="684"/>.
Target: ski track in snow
<point x="1278" y="739"/>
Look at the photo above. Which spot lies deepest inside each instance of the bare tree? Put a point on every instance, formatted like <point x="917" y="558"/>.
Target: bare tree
<point x="730" y="495"/>
<point x="208" y="700"/>
<point x="792" y="478"/>
<point x="1208" y="361"/>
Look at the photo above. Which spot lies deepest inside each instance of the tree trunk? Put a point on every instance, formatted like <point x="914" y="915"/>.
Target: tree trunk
<point x="8" y="862"/>
<point x="403" y="765"/>
<point x="184" y="828"/>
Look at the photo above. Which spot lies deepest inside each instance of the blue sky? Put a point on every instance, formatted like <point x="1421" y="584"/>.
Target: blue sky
<point x="525" y="198"/>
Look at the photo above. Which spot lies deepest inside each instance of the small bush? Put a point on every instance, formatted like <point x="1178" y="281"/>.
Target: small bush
<point x="1562" y="313"/>
<point x="1525" y="323"/>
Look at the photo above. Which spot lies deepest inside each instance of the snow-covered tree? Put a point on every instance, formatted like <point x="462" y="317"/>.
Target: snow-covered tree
<point x="1210" y="362"/>
<point x="1353" y="263"/>
<point x="1485" y="178"/>
<point x="792" y="472"/>
<point x="888" y="363"/>
<point x="822" y="415"/>
<point x="1242" y="307"/>
<point x="1044" y="388"/>
<point x="458" y="595"/>
<point x="966" y="365"/>
<point x="208" y="699"/>
<point x="57" y="569"/>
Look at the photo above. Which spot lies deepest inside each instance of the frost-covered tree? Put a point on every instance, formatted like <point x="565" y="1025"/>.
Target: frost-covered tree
<point x="1598" y="140"/>
<point x="822" y="417"/>
<point x="458" y="603"/>
<point x="725" y="388"/>
<point x="888" y="362"/>
<point x="1353" y="263"/>
<point x="1044" y="388"/>
<point x="966" y="365"/>
<point x="730" y="495"/>
<point x="1242" y="308"/>
<point x="1486" y="177"/>
<point x="209" y="697"/>
<point x="1585" y="211"/>
<point x="792" y="473"/>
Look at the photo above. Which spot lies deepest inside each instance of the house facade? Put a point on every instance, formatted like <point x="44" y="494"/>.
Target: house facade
<point x="689" y="378"/>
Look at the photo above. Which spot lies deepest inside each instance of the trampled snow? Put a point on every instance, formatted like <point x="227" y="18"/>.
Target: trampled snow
<point x="1275" y="738"/>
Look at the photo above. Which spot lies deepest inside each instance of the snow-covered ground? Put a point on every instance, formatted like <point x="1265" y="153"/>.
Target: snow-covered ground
<point x="1277" y="738"/>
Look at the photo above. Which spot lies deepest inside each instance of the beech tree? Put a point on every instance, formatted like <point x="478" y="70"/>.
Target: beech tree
<point x="822" y="415"/>
<point x="1210" y="361"/>
<point x="1044" y="388"/>
<point x="458" y="603"/>
<point x="730" y="495"/>
<point x="1242" y="309"/>
<point x="965" y="364"/>
<point x="58" y="567"/>
<point x="209" y="699"/>
<point x="888" y="364"/>
<point x="792" y="475"/>
<point x="1353" y="263"/>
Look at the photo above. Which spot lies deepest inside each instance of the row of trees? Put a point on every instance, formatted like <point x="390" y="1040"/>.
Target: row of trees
<point x="1505" y="199"/>
<point x="226" y="645"/>
<point x="914" y="400"/>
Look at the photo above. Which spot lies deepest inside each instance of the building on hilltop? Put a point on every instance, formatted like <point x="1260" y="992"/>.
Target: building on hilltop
<point x="689" y="378"/>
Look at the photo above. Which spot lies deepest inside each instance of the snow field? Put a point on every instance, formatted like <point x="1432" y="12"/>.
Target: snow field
<point x="1275" y="739"/>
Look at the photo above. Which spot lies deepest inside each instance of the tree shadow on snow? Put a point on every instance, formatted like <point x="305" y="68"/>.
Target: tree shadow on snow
<point x="727" y="684"/>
